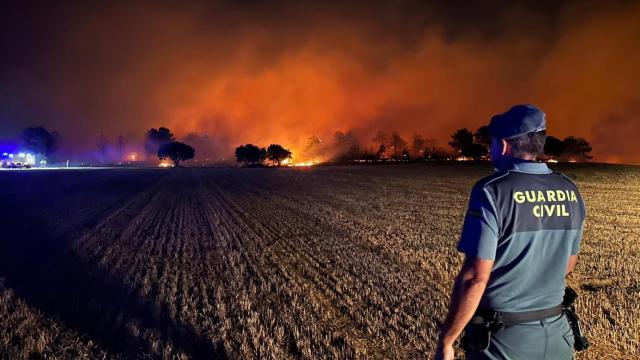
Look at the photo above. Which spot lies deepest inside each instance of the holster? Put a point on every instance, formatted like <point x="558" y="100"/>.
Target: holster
<point x="581" y="343"/>
<point x="476" y="337"/>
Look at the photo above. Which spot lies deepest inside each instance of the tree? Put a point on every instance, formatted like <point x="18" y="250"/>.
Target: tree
<point x="277" y="153"/>
<point x="418" y="146"/>
<point x="483" y="137"/>
<point x="439" y="154"/>
<point x="176" y="151"/>
<point x="460" y="139"/>
<point x="314" y="148"/>
<point x="475" y="151"/>
<point x="154" y="138"/>
<point x="346" y="146"/>
<point x="382" y="140"/>
<point x="250" y="154"/>
<point x="577" y="149"/>
<point x="398" y="144"/>
<point x="554" y="147"/>
<point x="103" y="146"/>
<point x="39" y="140"/>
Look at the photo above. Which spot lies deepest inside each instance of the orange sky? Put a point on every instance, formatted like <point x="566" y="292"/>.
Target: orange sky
<point x="283" y="75"/>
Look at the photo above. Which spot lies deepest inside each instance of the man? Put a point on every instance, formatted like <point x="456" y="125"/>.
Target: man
<point x="520" y="237"/>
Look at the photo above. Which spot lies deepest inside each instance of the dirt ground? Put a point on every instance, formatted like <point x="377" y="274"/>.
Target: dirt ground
<point x="323" y="262"/>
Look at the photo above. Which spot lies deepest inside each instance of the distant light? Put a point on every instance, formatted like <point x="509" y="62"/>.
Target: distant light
<point x="21" y="154"/>
<point x="132" y="156"/>
<point x="11" y="156"/>
<point x="30" y="159"/>
<point x="5" y="154"/>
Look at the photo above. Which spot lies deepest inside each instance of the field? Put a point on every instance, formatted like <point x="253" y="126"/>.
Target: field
<point x="325" y="262"/>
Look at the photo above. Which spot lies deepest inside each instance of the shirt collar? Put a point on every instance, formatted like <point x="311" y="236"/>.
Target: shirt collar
<point x="527" y="166"/>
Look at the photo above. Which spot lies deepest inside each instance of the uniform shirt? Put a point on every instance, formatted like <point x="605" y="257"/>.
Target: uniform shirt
<point x="528" y="219"/>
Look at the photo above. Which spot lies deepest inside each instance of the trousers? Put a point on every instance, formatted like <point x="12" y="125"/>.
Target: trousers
<point x="548" y="339"/>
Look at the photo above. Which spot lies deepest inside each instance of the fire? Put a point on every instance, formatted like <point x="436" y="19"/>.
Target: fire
<point x="552" y="161"/>
<point x="165" y="164"/>
<point x="306" y="163"/>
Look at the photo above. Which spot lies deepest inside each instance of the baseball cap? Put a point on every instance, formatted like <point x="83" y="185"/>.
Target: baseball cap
<point x="519" y="120"/>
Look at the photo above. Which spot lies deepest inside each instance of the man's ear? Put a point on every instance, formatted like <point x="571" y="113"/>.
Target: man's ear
<point x="505" y="147"/>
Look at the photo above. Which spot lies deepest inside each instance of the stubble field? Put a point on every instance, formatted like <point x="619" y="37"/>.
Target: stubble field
<point x="327" y="262"/>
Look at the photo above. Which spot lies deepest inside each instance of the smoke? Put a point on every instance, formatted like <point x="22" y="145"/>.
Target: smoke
<point x="280" y="73"/>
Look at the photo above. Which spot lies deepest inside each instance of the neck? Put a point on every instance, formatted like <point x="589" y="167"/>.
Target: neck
<point x="527" y="157"/>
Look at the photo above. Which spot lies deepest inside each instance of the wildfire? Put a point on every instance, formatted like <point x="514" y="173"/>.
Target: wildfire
<point x="289" y="162"/>
<point x="165" y="164"/>
<point x="306" y="163"/>
<point x="552" y="161"/>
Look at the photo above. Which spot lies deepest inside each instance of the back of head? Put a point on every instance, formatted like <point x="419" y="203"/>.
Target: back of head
<point x="523" y="128"/>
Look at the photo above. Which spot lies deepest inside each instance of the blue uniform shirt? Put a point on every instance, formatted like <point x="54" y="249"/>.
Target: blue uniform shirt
<point x="529" y="220"/>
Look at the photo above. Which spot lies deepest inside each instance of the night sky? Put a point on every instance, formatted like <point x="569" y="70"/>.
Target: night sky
<point x="281" y="71"/>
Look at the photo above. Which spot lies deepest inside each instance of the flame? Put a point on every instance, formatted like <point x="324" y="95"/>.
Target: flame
<point x="306" y="163"/>
<point x="165" y="164"/>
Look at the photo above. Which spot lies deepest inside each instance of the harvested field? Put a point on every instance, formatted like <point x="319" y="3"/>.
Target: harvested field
<point x="324" y="262"/>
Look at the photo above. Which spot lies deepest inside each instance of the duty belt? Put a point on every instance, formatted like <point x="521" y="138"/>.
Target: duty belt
<point x="483" y="316"/>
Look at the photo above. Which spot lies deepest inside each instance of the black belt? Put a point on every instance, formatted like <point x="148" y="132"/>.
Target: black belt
<point x="510" y="318"/>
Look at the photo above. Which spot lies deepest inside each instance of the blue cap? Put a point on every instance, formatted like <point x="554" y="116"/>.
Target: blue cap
<point x="519" y="120"/>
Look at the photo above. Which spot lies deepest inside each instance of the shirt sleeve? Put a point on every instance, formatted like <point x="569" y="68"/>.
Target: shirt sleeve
<point x="480" y="230"/>
<point x="575" y="246"/>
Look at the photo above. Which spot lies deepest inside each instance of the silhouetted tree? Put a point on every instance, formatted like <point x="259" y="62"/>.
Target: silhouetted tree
<point x="103" y="146"/>
<point x="398" y="144"/>
<point x="176" y="151"/>
<point x="577" y="148"/>
<point x="314" y="148"/>
<point x="438" y="154"/>
<point x="382" y="141"/>
<point x="474" y="150"/>
<point x="250" y="154"/>
<point x="554" y="147"/>
<point x="277" y="153"/>
<point x="483" y="137"/>
<point x="460" y="139"/>
<point x="418" y="146"/>
<point x="154" y="138"/>
<point x="346" y="146"/>
<point x="40" y="141"/>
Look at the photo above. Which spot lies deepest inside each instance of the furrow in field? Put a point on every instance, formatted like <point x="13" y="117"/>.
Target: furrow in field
<point x="280" y="288"/>
<point x="352" y="285"/>
<point x="253" y="224"/>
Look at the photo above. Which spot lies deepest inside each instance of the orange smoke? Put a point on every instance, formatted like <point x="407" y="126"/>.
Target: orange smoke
<point x="283" y="76"/>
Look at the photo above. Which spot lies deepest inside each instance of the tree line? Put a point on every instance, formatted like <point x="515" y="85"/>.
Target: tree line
<point x="345" y="147"/>
<point x="476" y="145"/>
